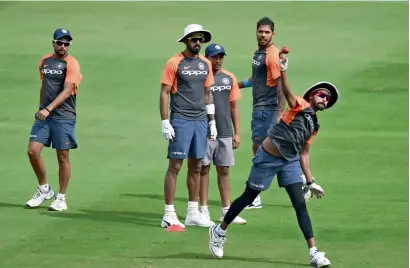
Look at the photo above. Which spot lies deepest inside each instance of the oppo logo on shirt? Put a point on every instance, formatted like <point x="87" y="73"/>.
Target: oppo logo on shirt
<point x="257" y="63"/>
<point x="310" y="120"/>
<point x="220" y="88"/>
<point x="48" y="71"/>
<point x="196" y="73"/>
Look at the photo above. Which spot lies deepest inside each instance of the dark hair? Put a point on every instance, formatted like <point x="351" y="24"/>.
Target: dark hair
<point x="266" y="21"/>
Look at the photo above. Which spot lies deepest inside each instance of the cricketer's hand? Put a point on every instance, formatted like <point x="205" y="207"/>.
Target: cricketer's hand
<point x="167" y="130"/>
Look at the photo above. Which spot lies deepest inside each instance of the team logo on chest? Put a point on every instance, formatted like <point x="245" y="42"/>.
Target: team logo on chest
<point x="201" y="66"/>
<point x="226" y="85"/>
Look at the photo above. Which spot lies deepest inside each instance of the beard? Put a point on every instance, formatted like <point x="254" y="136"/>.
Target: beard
<point x="195" y="49"/>
<point x="320" y="106"/>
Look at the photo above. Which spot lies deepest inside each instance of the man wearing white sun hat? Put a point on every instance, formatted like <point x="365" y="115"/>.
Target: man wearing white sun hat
<point x="186" y="78"/>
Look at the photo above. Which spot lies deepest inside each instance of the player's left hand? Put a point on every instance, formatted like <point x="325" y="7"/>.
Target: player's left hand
<point x="317" y="190"/>
<point x="42" y="114"/>
<point x="236" y="141"/>
<point x="212" y="130"/>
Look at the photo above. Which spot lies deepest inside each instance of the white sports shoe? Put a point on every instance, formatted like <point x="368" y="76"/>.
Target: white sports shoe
<point x="39" y="198"/>
<point x="216" y="243"/>
<point x="197" y="218"/>
<point x="171" y="219"/>
<point x="237" y="220"/>
<point x="59" y="204"/>
<point x="318" y="259"/>
<point x="257" y="203"/>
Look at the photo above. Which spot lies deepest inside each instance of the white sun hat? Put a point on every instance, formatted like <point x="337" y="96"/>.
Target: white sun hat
<point x="196" y="28"/>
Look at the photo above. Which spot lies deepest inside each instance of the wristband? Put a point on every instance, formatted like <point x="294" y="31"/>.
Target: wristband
<point x="246" y="83"/>
<point x="210" y="109"/>
<point x="48" y="110"/>
<point x="309" y="183"/>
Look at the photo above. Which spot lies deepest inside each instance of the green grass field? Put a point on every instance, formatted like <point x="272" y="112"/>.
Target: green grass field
<point x="115" y="197"/>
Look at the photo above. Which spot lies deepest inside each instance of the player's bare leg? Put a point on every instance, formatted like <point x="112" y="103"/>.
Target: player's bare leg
<point x="44" y="191"/>
<point x="225" y="193"/>
<point x="204" y="186"/>
<point x="203" y="192"/>
<point x="174" y="167"/>
<point x="170" y="217"/>
<point x="194" y="217"/>
<point x="64" y="169"/>
<point x="64" y="174"/>
<point x="36" y="161"/>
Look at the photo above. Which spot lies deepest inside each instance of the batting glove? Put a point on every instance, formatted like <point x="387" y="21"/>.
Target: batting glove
<point x="212" y="129"/>
<point x="316" y="190"/>
<point x="167" y="130"/>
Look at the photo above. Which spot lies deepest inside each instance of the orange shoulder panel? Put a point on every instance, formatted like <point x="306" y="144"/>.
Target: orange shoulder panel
<point x="169" y="74"/>
<point x="235" y="93"/>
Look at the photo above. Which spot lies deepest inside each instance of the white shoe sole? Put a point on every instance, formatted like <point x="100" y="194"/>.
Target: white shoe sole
<point x="253" y="207"/>
<point x="234" y="222"/>
<point x="210" y="243"/>
<point x="200" y="225"/>
<point x="46" y="198"/>
<point x="53" y="209"/>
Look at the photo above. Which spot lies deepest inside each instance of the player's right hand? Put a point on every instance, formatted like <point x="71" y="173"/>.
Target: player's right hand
<point x="167" y="130"/>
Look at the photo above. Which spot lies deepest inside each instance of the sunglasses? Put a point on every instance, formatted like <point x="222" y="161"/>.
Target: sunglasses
<point x="61" y="43"/>
<point x="196" y="39"/>
<point x="323" y="96"/>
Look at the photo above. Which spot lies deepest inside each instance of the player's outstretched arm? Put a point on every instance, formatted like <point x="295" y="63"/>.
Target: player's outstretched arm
<point x="287" y="92"/>
<point x="245" y="83"/>
<point x="281" y="99"/>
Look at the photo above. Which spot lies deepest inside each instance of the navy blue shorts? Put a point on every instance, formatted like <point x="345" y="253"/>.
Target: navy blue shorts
<point x="262" y="120"/>
<point x="266" y="166"/>
<point x="190" y="139"/>
<point x="58" y="133"/>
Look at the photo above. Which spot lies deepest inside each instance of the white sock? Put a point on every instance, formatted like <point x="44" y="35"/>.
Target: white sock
<point x="169" y="209"/>
<point x="219" y="231"/>
<point x="61" y="196"/>
<point x="204" y="209"/>
<point x="312" y="250"/>
<point x="192" y="206"/>
<point x="224" y="210"/>
<point x="44" y="188"/>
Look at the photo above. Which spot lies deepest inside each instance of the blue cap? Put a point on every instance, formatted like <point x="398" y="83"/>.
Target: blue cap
<point x="214" y="49"/>
<point x="62" y="32"/>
